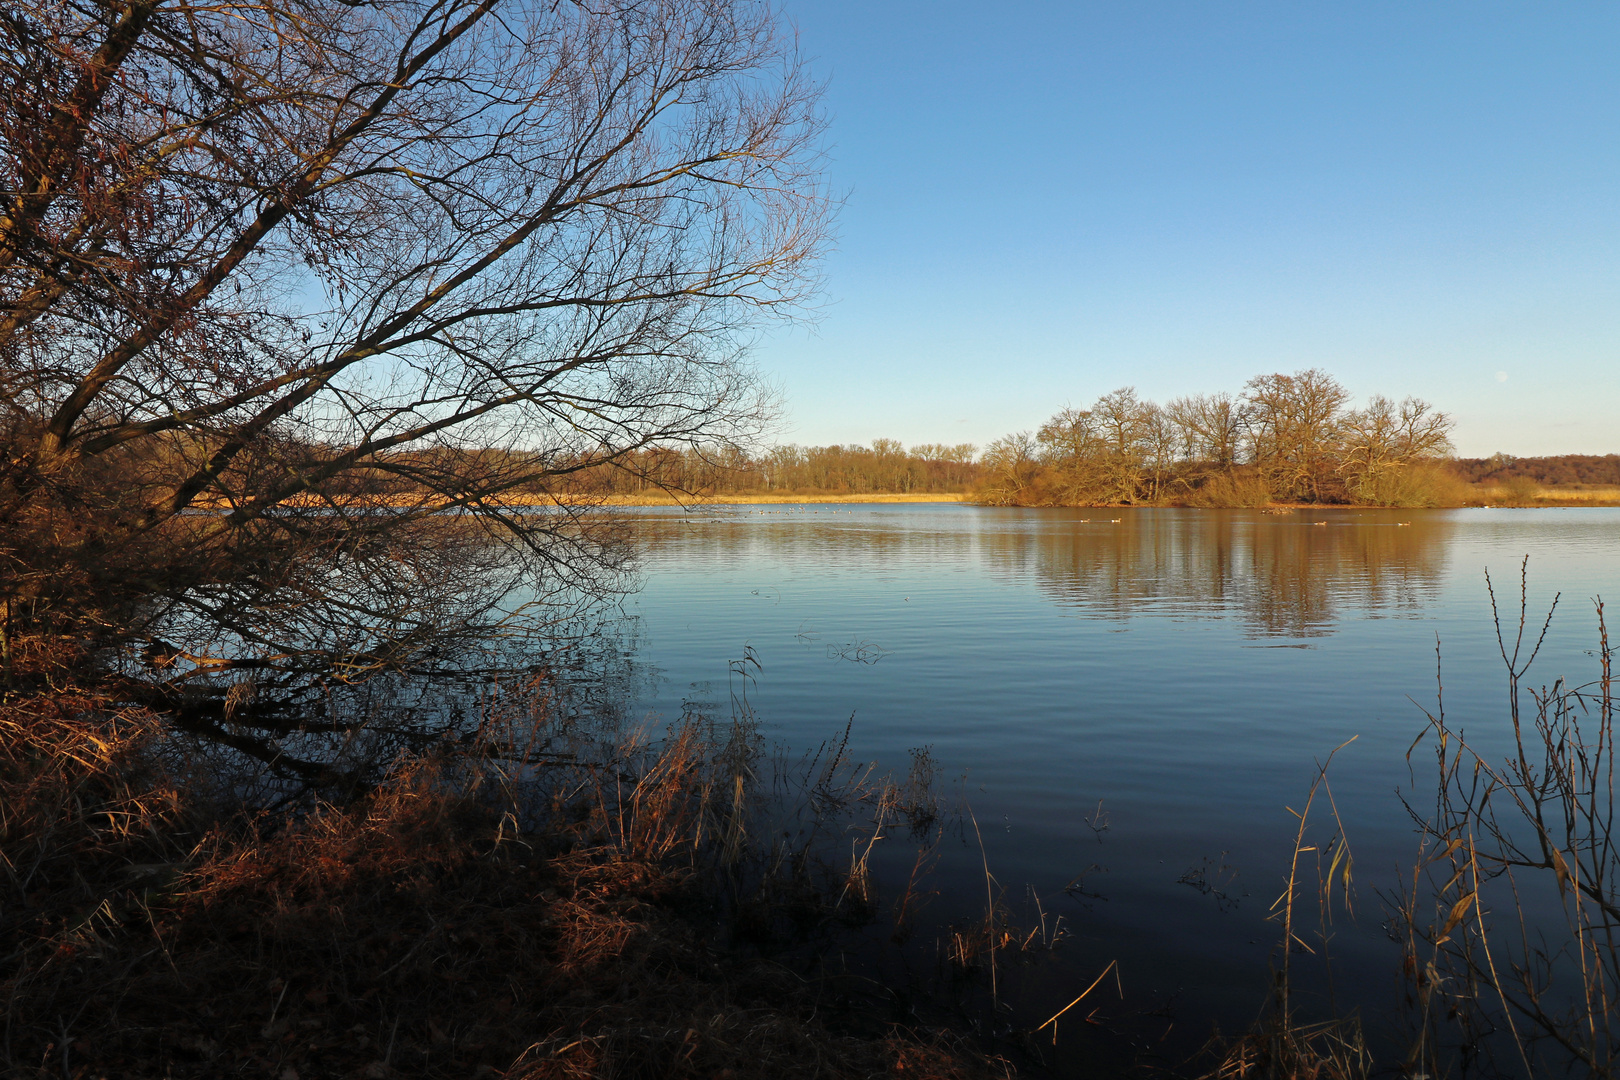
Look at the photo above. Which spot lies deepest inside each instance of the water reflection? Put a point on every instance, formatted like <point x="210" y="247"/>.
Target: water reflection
<point x="1256" y="644"/>
<point x="1282" y="576"/>
<point x="1292" y="575"/>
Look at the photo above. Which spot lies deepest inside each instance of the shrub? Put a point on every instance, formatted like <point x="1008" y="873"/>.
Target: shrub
<point x="1230" y="490"/>
<point x="1422" y="485"/>
<point x="1517" y="491"/>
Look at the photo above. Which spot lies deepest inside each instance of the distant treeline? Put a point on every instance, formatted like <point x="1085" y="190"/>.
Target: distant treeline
<point x="1285" y="438"/>
<point x="883" y="468"/>
<point x="1548" y="471"/>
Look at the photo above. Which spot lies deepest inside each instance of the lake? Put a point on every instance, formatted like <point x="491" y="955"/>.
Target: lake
<point x="1179" y="669"/>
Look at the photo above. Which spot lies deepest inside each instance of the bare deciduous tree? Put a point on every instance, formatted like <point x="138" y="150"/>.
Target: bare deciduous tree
<point x="1211" y="427"/>
<point x="1384" y="438"/>
<point x="284" y="281"/>
<point x="1011" y="463"/>
<point x="1159" y="441"/>
<point x="1072" y="445"/>
<point x="1292" y="424"/>
<point x="1121" y="418"/>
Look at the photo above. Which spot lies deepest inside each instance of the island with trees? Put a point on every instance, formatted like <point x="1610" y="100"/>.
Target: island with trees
<point x="1284" y="439"/>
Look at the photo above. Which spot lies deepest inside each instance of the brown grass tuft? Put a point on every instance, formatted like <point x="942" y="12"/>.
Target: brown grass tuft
<point x="467" y="918"/>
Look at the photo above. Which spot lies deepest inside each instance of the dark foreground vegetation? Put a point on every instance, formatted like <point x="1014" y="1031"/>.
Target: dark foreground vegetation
<point x="481" y="910"/>
<point x="1506" y="921"/>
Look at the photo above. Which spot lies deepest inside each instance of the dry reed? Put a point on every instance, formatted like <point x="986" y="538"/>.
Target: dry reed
<point x="1510" y="917"/>
<point x="477" y="913"/>
<point x="1281" y="1045"/>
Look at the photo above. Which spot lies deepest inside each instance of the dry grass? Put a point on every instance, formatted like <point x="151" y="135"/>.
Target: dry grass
<point x="467" y="918"/>
<point x="651" y="498"/>
<point x="1524" y="492"/>
<point x="1511" y="919"/>
<point x="774" y="498"/>
<point x="1282" y="1045"/>
<point x="1228" y="491"/>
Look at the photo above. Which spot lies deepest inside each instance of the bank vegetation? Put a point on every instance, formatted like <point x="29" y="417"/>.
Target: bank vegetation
<point x="1282" y="439"/>
<point x="288" y="787"/>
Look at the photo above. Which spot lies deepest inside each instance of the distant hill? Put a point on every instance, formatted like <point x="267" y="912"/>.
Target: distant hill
<point x="1549" y="471"/>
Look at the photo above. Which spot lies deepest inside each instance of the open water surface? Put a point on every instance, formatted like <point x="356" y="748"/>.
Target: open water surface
<point x="1183" y="668"/>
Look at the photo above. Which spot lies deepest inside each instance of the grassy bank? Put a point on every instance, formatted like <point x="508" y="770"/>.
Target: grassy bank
<point x="774" y="498"/>
<point x="650" y="498"/>
<point x="1462" y="496"/>
<point x="1229" y="497"/>
<point x="474" y="915"/>
<point x="1533" y="494"/>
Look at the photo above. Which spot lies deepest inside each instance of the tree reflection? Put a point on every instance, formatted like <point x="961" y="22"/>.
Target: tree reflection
<point x="1284" y="576"/>
<point x="1292" y="574"/>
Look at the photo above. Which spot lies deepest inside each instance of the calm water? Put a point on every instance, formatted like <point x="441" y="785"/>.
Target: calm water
<point x="1183" y="667"/>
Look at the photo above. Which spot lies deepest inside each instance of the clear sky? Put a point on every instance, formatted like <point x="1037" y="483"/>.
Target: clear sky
<point x="1046" y="201"/>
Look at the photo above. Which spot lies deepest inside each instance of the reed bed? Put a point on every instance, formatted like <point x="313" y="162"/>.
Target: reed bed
<point x="477" y="913"/>
<point x="1522" y="491"/>
<point x="1508" y="919"/>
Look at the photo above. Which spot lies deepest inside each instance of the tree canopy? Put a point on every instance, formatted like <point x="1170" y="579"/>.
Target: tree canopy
<point x="284" y="281"/>
<point x="1284" y="437"/>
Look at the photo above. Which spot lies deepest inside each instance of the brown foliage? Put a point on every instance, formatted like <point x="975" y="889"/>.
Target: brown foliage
<point x="280" y="280"/>
<point x="885" y="467"/>
<point x="1547" y="471"/>
<point x="1288" y="438"/>
<point x="440" y="926"/>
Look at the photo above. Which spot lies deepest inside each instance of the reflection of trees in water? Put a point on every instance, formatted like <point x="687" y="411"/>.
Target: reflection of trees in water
<point x="1284" y="576"/>
<point x="533" y="704"/>
<point x="793" y="534"/>
<point x="496" y="641"/>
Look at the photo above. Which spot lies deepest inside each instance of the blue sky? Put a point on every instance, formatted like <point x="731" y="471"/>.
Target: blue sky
<point x="1048" y="201"/>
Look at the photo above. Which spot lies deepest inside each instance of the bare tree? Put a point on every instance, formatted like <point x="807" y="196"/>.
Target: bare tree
<point x="312" y="307"/>
<point x="1384" y="439"/>
<point x="1160" y="442"/>
<point x="1071" y="446"/>
<point x="1011" y="464"/>
<point x="1122" y="420"/>
<point x="1211" y="427"/>
<point x="1292" y="426"/>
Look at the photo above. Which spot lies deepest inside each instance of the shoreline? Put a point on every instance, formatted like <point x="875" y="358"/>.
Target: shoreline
<point x="1546" y="498"/>
<point x="775" y="498"/>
